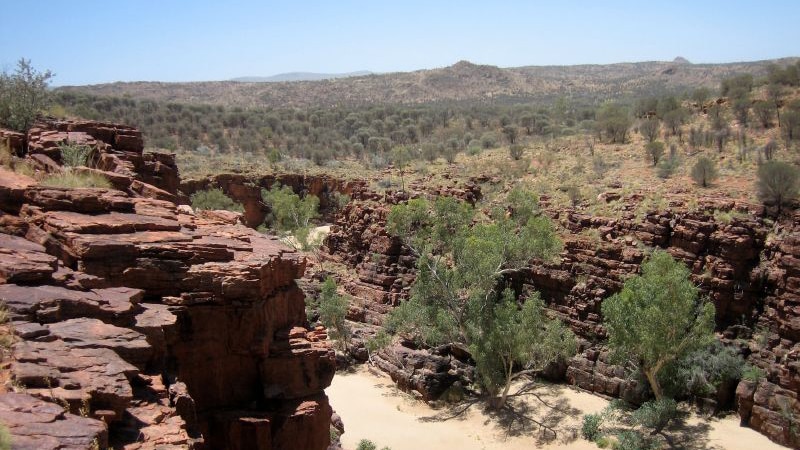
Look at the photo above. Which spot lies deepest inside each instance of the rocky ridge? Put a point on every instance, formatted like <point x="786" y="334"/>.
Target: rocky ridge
<point x="138" y="323"/>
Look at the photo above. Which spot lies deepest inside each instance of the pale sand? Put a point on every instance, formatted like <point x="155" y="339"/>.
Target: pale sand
<point x="372" y="408"/>
<point x="317" y="234"/>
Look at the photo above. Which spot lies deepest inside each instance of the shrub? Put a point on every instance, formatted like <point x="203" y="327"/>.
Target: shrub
<point x="213" y="199"/>
<point x="777" y="183"/>
<point x="333" y="311"/>
<point x="73" y="155"/>
<point x="516" y="151"/>
<point x="752" y="373"/>
<point x="590" y="430"/>
<point x="704" y="172"/>
<point x="72" y="180"/>
<point x="703" y="371"/>
<point x="489" y="140"/>
<point x="655" y="150"/>
<point x="667" y="166"/>
<point x="366" y="444"/>
<point x="655" y="414"/>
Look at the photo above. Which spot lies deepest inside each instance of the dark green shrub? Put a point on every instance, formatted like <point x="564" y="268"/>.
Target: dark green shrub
<point x="213" y="199"/>
<point x="703" y="371"/>
<point x="704" y="172"/>
<point x="655" y="414"/>
<point x="366" y="444"/>
<point x="590" y="429"/>
<point x="777" y="183"/>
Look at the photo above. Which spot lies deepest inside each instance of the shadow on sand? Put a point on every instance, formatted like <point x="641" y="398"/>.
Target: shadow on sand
<point x="536" y="408"/>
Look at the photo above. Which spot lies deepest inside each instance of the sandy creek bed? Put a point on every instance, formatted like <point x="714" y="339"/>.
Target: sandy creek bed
<point x="372" y="408"/>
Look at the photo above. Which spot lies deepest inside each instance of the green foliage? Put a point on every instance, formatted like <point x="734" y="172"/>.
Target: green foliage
<point x="291" y="214"/>
<point x="590" y="427"/>
<point x="655" y="150"/>
<point x="366" y="444"/>
<point x="516" y="151"/>
<point x="656" y="414"/>
<point x="634" y="440"/>
<point x="650" y="129"/>
<point x="703" y="371"/>
<point x="752" y="373"/>
<point x="214" y="199"/>
<point x="23" y="95"/>
<point x="333" y="311"/>
<point x="613" y="120"/>
<point x="72" y="179"/>
<point x="657" y="318"/>
<point x="381" y="340"/>
<point x="668" y="166"/>
<point x="777" y="184"/>
<point x="457" y="295"/>
<point x="73" y="155"/>
<point x="510" y="336"/>
<point x="704" y="172"/>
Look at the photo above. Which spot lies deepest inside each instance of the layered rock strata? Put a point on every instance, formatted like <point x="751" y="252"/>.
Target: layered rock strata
<point x="140" y="325"/>
<point x="745" y="268"/>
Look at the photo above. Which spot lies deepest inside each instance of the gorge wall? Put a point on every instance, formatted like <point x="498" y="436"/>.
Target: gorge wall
<point x="140" y="324"/>
<point x="747" y="267"/>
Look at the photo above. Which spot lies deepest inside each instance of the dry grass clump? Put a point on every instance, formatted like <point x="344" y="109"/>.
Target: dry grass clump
<point x="71" y="179"/>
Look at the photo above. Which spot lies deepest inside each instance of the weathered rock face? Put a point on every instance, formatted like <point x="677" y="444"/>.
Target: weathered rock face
<point x="751" y="280"/>
<point x="117" y="154"/>
<point x="247" y="190"/>
<point x="152" y="327"/>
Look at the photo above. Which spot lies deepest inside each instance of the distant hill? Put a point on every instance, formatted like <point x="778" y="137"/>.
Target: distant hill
<point x="301" y="76"/>
<point x="461" y="82"/>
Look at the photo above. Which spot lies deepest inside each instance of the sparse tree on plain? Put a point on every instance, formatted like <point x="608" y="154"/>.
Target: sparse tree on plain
<point x="704" y="171"/>
<point x="655" y="150"/>
<point x="777" y="184"/>
<point x="650" y="129"/>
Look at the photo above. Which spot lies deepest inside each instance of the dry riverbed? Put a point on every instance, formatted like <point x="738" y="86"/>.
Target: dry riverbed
<point x="372" y="408"/>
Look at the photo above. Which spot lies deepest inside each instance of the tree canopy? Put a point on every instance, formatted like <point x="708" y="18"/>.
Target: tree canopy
<point x="23" y="95"/>
<point x="459" y="294"/>
<point x="657" y="318"/>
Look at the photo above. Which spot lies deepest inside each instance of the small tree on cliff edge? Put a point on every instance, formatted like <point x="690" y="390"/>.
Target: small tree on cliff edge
<point x="23" y="95"/>
<point x="657" y="318"/>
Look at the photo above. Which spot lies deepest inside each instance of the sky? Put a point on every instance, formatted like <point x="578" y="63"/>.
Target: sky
<point x="89" y="41"/>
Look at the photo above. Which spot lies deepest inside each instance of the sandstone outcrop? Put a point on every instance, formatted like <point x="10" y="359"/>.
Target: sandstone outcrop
<point x="140" y="325"/>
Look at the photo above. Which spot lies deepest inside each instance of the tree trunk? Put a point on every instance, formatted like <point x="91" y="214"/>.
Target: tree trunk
<point x="651" y="378"/>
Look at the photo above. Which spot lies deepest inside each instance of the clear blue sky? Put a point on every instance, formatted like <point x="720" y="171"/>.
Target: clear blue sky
<point x="170" y="40"/>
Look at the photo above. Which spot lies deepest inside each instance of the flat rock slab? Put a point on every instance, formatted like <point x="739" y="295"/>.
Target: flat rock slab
<point x="56" y="371"/>
<point x="38" y="425"/>
<point x="85" y="333"/>
<point x="111" y="223"/>
<point x="48" y="304"/>
<point x="23" y="261"/>
<point x="84" y="200"/>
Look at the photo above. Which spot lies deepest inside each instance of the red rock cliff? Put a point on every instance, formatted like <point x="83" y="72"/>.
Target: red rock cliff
<point x="139" y="324"/>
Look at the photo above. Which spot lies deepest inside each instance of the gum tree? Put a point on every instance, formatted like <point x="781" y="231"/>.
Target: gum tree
<point x="657" y="318"/>
<point x="459" y="294"/>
